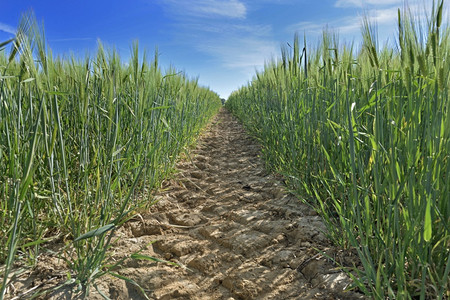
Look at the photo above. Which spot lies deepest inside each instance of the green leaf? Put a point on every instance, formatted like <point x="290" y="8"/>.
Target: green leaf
<point x="151" y="258"/>
<point x="427" y="226"/>
<point x="160" y="107"/>
<point x="38" y="242"/>
<point x="95" y="232"/>
<point x="2" y="44"/>
<point x="439" y="14"/>
<point x="57" y="93"/>
<point x="27" y="80"/>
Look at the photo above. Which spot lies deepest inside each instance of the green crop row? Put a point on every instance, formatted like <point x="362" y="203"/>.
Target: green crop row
<point x="82" y="144"/>
<point x="364" y="133"/>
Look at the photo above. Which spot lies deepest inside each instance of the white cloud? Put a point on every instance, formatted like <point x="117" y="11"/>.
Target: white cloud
<point x="7" y="28"/>
<point x="222" y="30"/>
<point x="384" y="16"/>
<point x="242" y="53"/>
<point x="347" y="25"/>
<point x="364" y="3"/>
<point x="378" y="3"/>
<point x="348" y="3"/>
<point x="71" y="39"/>
<point x="207" y="8"/>
<point x="235" y="57"/>
<point x="381" y="13"/>
<point x="234" y="44"/>
<point x="240" y="46"/>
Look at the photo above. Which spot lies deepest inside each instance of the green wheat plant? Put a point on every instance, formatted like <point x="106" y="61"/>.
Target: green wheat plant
<point x="363" y="133"/>
<point x="83" y="142"/>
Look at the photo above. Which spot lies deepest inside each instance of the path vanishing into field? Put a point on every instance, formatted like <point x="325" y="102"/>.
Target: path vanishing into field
<point x="232" y="229"/>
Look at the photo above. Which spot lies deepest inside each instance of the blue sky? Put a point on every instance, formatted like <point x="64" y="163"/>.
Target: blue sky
<point x="222" y="42"/>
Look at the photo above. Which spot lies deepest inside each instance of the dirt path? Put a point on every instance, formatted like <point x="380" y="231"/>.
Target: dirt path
<point x="231" y="227"/>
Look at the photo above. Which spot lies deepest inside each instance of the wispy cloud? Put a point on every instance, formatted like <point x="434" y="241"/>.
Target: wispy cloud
<point x="208" y="8"/>
<point x="225" y="30"/>
<point x="220" y="30"/>
<point x="373" y="4"/>
<point x="7" y="28"/>
<point x="384" y="16"/>
<point x="382" y="13"/>
<point x="242" y="47"/>
<point x="236" y="57"/>
<point x="345" y="25"/>
<point x="363" y="3"/>
<point x="71" y="39"/>
<point x="242" y="53"/>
